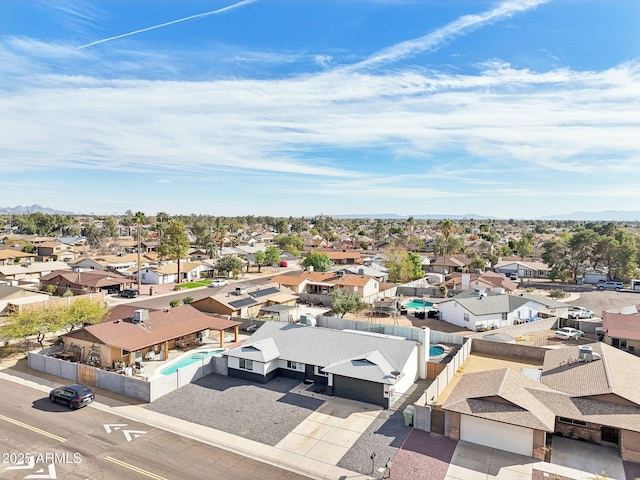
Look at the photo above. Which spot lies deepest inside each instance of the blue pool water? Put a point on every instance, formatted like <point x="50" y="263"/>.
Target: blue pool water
<point x="435" y="350"/>
<point x="418" y="303"/>
<point x="196" y="357"/>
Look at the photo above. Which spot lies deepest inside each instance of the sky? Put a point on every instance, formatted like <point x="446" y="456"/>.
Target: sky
<point x="509" y="109"/>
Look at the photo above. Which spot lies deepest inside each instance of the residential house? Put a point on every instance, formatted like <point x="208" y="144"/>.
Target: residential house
<point x="340" y="257"/>
<point x="12" y="256"/>
<point x="479" y="310"/>
<point x="451" y="263"/>
<point x="378" y="272"/>
<point x="145" y="334"/>
<point x="122" y="262"/>
<point x="81" y="282"/>
<point x="13" y="298"/>
<point x="30" y="272"/>
<point x="323" y="283"/>
<point x="622" y="329"/>
<point x="247" y="301"/>
<point x="489" y="281"/>
<point x="55" y="250"/>
<point x="588" y="392"/>
<point x="360" y="366"/>
<point x="533" y="269"/>
<point x="168" y="272"/>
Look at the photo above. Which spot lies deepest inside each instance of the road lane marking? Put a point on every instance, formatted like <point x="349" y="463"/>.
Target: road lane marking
<point x="33" y="429"/>
<point x="134" y="468"/>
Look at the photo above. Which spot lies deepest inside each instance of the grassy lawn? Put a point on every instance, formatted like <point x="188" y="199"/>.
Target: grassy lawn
<point x="200" y="283"/>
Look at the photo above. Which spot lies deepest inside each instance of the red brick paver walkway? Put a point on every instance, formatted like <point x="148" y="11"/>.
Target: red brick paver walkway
<point x="422" y="457"/>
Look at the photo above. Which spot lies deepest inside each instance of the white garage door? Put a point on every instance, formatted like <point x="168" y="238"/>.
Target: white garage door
<point x="497" y="435"/>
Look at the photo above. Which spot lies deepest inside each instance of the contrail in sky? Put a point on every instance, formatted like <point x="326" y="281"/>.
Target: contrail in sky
<point x="135" y="32"/>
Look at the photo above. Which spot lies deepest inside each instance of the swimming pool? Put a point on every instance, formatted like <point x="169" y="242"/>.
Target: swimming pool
<point x="435" y="350"/>
<point x="418" y="303"/>
<point x="196" y="357"/>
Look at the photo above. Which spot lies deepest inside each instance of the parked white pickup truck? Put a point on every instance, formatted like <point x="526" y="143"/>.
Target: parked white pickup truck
<point x="579" y="312"/>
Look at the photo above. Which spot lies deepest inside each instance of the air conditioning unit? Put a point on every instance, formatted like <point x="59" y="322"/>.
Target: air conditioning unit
<point x="585" y="353"/>
<point x="141" y="315"/>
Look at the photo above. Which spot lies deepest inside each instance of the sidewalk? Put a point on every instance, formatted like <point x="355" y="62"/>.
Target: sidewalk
<point x="283" y="458"/>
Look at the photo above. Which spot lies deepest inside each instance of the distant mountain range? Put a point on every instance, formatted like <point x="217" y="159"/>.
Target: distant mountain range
<point x="22" y="210"/>
<point x="607" y="215"/>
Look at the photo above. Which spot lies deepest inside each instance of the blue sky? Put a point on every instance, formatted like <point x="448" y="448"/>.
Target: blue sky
<point x="512" y="109"/>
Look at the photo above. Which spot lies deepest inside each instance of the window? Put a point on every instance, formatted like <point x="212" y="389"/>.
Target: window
<point x="570" y="421"/>
<point x="246" y="364"/>
<point x="292" y="365"/>
<point x="504" y="316"/>
<point x="465" y="317"/>
<point x="318" y="372"/>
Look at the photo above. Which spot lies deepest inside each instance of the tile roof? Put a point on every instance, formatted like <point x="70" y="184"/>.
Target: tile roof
<point x="162" y="325"/>
<point x="618" y="325"/>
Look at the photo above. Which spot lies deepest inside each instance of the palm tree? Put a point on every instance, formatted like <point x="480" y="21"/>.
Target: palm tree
<point x="139" y="219"/>
<point x="446" y="227"/>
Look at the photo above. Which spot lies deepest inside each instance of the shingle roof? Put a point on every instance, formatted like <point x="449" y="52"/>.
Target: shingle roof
<point x="161" y="326"/>
<point x="502" y="395"/>
<point x="372" y="367"/>
<point x="617" y="372"/>
<point x="324" y="347"/>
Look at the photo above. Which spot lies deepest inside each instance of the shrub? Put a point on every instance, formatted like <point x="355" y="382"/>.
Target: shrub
<point x="557" y="293"/>
<point x="175" y="303"/>
<point x="187" y="300"/>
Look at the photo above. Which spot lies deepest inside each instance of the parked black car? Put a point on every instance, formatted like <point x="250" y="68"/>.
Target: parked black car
<point x="129" y="293"/>
<point x="75" y="395"/>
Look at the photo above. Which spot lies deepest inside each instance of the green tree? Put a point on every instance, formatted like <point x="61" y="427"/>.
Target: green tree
<point x="228" y="264"/>
<point x="202" y="233"/>
<point x="32" y="321"/>
<point x="320" y="261"/>
<point x="161" y="221"/>
<point x="81" y="311"/>
<point x="272" y="256"/>
<point x="289" y="243"/>
<point x="176" y="243"/>
<point x="343" y="303"/>
<point x="524" y="246"/>
<point x="261" y="259"/>
<point x="139" y="219"/>
<point x="412" y="266"/>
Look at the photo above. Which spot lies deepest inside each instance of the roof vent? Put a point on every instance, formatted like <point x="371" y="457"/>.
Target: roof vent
<point x="140" y="315"/>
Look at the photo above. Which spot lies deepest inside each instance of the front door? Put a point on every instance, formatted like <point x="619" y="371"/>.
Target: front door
<point x="610" y="434"/>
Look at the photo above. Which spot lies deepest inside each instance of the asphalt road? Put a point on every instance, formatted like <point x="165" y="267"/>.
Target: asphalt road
<point x="591" y="298"/>
<point x="41" y="440"/>
<point x="161" y="302"/>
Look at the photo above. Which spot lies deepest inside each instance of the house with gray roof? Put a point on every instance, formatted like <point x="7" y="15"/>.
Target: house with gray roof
<point x="587" y="392"/>
<point x="363" y="366"/>
<point x="478" y="309"/>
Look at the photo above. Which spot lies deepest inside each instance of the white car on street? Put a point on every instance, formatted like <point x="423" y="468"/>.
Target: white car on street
<point x="579" y="312"/>
<point x="219" y="282"/>
<point x="568" y="333"/>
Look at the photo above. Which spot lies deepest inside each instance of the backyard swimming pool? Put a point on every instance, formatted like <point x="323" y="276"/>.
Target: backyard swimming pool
<point x="435" y="350"/>
<point x="418" y="303"/>
<point x="196" y="357"/>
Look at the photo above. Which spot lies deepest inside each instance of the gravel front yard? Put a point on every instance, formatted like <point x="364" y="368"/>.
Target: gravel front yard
<point x="264" y="413"/>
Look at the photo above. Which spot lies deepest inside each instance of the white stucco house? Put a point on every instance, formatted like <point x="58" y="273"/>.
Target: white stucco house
<point x="476" y="309"/>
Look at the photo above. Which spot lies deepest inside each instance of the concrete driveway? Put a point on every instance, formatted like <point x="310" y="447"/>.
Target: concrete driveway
<point x="471" y="461"/>
<point x="589" y="458"/>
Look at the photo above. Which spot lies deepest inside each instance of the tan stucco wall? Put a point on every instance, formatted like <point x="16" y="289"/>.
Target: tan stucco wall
<point x="630" y="445"/>
<point x="454" y="425"/>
